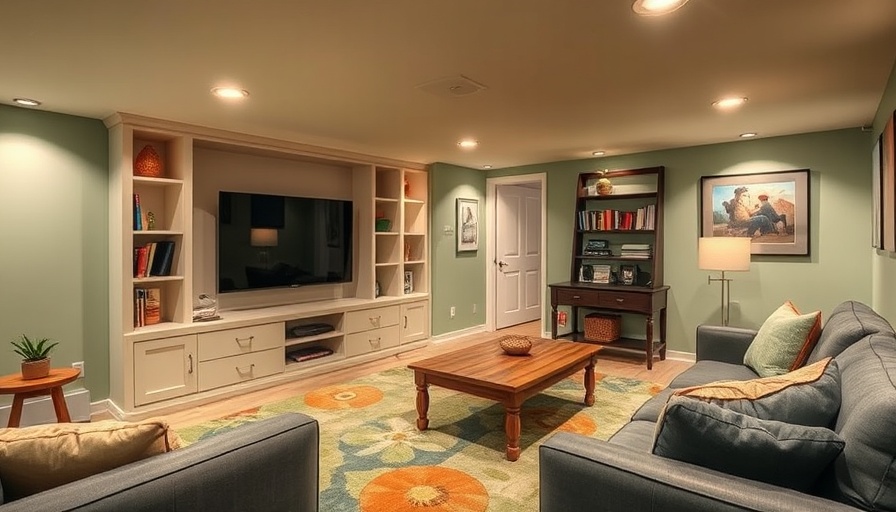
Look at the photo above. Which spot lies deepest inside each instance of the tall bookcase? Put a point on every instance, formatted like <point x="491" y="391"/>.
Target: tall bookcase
<point x="616" y="263"/>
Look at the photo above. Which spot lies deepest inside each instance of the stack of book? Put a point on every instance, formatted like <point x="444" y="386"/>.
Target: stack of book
<point x="147" y="306"/>
<point x="153" y="259"/>
<point x="617" y="220"/>
<point x="636" y="251"/>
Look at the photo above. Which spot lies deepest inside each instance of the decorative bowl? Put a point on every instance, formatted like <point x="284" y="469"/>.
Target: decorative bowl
<point x="515" y="345"/>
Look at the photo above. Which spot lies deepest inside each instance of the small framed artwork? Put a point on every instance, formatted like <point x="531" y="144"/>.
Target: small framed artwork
<point x="467" y="225"/>
<point x="770" y="208"/>
<point x="628" y="274"/>
<point x="408" y="281"/>
<point x="876" y="202"/>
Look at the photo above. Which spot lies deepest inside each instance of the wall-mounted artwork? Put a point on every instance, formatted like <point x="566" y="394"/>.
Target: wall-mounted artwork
<point x="467" y="225"/>
<point x="876" y="202"/>
<point x="771" y="208"/>
<point x="888" y="186"/>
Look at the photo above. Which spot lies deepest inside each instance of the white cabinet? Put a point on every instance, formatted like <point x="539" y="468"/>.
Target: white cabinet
<point x="233" y="342"/>
<point x="164" y="368"/>
<point x="414" y="321"/>
<point x="235" y="369"/>
<point x="232" y="356"/>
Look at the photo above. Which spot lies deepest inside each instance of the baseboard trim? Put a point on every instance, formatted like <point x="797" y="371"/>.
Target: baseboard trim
<point x="676" y="355"/>
<point x="38" y="411"/>
<point x="448" y="336"/>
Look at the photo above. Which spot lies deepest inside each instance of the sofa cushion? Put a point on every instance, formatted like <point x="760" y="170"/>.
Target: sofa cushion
<point x="34" y="459"/>
<point x="809" y="396"/>
<point x="784" y="341"/>
<point x="848" y="323"/>
<point x="704" y="372"/>
<point x="865" y="475"/>
<point x="637" y="435"/>
<point x="770" y="451"/>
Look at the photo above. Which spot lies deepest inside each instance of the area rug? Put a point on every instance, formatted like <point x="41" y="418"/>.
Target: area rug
<point x="372" y="457"/>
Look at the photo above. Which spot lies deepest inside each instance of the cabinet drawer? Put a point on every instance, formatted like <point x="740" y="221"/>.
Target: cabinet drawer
<point x="625" y="300"/>
<point x="231" y="342"/>
<point x="235" y="369"/>
<point x="577" y="297"/>
<point x="371" y="341"/>
<point x="359" y="321"/>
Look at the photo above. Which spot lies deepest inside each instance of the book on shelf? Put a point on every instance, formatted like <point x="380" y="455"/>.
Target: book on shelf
<point x="601" y="274"/>
<point x="152" y="306"/>
<point x="161" y="262"/>
<point x="617" y="220"/>
<point x="139" y="307"/>
<point x="138" y="214"/>
<point x="638" y="251"/>
<point x="141" y="261"/>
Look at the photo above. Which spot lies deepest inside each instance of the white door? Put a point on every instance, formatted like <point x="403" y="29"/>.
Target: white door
<point x="517" y="255"/>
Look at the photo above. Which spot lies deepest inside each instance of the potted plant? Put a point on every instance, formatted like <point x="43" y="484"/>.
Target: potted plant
<point x="35" y="356"/>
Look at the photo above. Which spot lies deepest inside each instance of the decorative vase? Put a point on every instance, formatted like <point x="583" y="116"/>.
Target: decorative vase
<point x="148" y="163"/>
<point x="604" y="187"/>
<point x="515" y="345"/>
<point x="36" y="369"/>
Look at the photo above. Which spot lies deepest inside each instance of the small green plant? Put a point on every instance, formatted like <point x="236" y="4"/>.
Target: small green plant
<point x="33" y="350"/>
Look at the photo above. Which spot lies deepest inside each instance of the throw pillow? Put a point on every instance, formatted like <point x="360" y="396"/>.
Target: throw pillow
<point x="809" y="396"/>
<point x="769" y="451"/>
<point x="34" y="459"/>
<point x="784" y="341"/>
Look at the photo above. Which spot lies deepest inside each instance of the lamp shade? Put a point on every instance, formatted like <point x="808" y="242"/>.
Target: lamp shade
<point x="728" y="253"/>
<point x="263" y="237"/>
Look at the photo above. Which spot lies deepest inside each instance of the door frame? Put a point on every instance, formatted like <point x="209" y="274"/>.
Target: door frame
<point x="491" y="186"/>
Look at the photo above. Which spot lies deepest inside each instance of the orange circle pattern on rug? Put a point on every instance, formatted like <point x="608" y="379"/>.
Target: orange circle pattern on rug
<point x="552" y="419"/>
<point x="429" y="488"/>
<point x="343" y="397"/>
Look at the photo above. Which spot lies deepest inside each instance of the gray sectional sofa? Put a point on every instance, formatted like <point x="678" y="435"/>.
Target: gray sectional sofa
<point x="269" y="465"/>
<point x="580" y="473"/>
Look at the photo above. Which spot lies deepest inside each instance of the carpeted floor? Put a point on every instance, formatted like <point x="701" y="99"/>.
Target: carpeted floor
<point x="374" y="459"/>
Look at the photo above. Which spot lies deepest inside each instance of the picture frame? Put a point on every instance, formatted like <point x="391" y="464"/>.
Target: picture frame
<point x="888" y="186"/>
<point x="876" y="199"/>
<point x="770" y="207"/>
<point x="408" y="281"/>
<point x="467" y="225"/>
<point x="628" y="275"/>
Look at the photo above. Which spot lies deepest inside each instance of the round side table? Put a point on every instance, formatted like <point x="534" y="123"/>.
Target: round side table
<point x="50" y="385"/>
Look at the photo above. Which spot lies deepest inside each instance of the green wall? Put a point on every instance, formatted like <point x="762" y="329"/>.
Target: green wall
<point x="458" y="278"/>
<point x="54" y="220"/>
<point x="883" y="264"/>
<point x="836" y="269"/>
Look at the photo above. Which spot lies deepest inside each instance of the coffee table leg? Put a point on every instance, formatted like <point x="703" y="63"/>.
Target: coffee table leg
<point x="512" y="427"/>
<point x="422" y="402"/>
<point x="589" y="383"/>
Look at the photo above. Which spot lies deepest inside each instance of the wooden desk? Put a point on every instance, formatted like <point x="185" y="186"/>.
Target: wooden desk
<point x="50" y="385"/>
<point x="650" y="302"/>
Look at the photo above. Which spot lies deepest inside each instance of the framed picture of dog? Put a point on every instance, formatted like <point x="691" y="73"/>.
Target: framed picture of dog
<point x="772" y="208"/>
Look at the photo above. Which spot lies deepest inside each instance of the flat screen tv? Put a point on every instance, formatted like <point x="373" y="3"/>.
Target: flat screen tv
<point x="272" y="241"/>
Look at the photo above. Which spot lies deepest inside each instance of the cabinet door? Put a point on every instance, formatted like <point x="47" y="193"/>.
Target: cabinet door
<point x="164" y="368"/>
<point x="414" y="322"/>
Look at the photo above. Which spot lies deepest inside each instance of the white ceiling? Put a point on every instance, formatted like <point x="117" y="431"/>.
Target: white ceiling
<point x="563" y="77"/>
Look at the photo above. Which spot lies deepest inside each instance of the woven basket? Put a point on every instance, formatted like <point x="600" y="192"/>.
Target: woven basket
<point x="148" y="163"/>
<point x="515" y="345"/>
<point x="602" y="328"/>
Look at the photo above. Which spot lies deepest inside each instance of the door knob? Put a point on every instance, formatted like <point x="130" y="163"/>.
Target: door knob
<point x="501" y="264"/>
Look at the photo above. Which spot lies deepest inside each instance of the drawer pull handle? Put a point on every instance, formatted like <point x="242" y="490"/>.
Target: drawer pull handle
<point x="239" y="341"/>
<point x="374" y="343"/>
<point x="405" y="322"/>
<point x="576" y="297"/>
<point x="248" y="369"/>
<point x="620" y="300"/>
<point x="190" y="358"/>
<point x="375" y="320"/>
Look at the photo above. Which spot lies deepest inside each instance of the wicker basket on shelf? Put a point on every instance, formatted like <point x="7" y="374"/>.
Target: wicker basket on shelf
<point x="515" y="345"/>
<point x="602" y="328"/>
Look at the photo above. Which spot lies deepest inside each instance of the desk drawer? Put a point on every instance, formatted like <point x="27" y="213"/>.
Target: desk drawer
<point x="625" y="300"/>
<point x="231" y="342"/>
<point x="577" y="297"/>
<point x="241" y="368"/>
<point x="364" y="320"/>
<point x="371" y="341"/>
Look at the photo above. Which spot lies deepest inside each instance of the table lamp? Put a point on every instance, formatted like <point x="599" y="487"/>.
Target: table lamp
<point x="726" y="254"/>
<point x="263" y="237"/>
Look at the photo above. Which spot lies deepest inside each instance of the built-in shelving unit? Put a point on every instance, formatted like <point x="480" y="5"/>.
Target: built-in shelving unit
<point x="176" y="361"/>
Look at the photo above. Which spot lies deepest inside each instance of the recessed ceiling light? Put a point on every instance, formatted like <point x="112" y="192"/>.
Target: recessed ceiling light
<point x="656" y="7"/>
<point x="599" y="153"/>
<point x="468" y="143"/>
<point x="26" y="102"/>
<point x="486" y="166"/>
<point x="729" y="103"/>
<point x="230" y="92"/>
<point x="748" y="135"/>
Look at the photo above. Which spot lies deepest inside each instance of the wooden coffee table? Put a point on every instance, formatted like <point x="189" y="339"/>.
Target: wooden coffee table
<point x="484" y="370"/>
